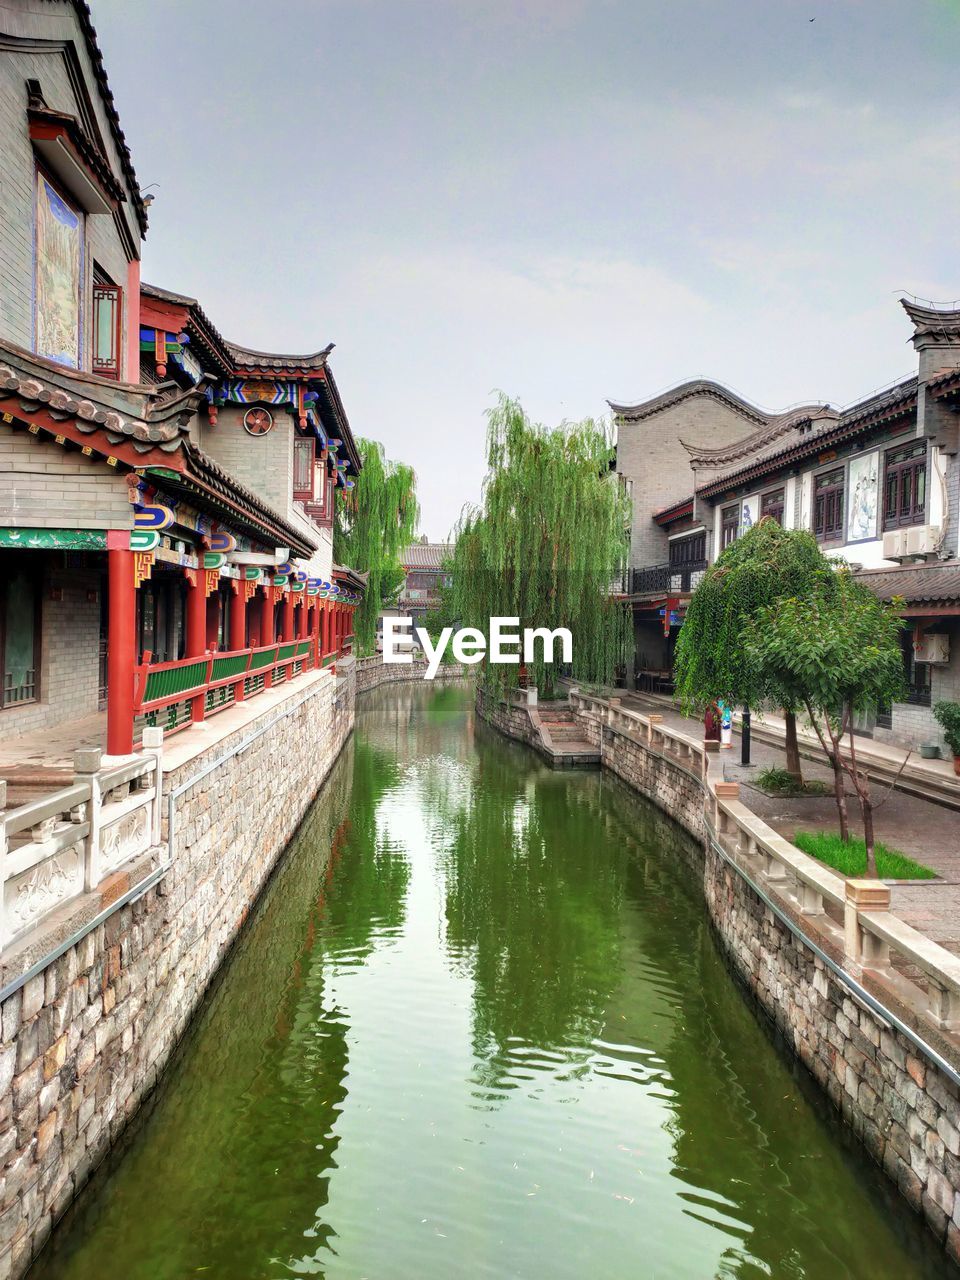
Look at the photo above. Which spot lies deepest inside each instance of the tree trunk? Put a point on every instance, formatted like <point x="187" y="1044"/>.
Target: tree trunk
<point x="841" y="797"/>
<point x="866" y="809"/>
<point x="792" y="747"/>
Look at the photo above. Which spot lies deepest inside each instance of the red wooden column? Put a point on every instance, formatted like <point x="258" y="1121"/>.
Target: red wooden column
<point x="238" y="625"/>
<point x="325" y="629"/>
<point x="288" y="616"/>
<point x="304" y="628"/>
<point x="268" y="632"/>
<point x="196" y="638"/>
<point x="121" y="649"/>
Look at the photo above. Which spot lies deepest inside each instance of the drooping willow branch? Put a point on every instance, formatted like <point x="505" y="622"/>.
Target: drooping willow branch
<point x="375" y="522"/>
<point x="546" y="542"/>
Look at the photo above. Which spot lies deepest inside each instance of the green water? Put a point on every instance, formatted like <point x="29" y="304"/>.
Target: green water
<point x="479" y="1027"/>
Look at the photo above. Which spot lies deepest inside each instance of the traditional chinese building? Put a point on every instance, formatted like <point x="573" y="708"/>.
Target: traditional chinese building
<point x="423" y="564"/>
<point x="878" y="483"/>
<point x="166" y="496"/>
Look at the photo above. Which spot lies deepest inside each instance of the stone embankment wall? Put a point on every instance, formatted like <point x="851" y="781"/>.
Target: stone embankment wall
<point x="83" y="1042"/>
<point x="904" y="1110"/>
<point x="893" y="1078"/>
<point x="512" y="719"/>
<point x="372" y="673"/>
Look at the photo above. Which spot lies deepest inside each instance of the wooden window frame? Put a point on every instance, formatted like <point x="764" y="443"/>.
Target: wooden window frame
<point x="904" y="463"/>
<point x="103" y="286"/>
<point x="773" y="503"/>
<point x="688" y="550"/>
<point x="37" y="640"/>
<point x="829" y="504"/>
<point x="304" y="446"/>
<point x="726" y="525"/>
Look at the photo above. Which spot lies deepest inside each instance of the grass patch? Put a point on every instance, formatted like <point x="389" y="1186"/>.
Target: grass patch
<point x="777" y="782"/>
<point x="850" y="859"/>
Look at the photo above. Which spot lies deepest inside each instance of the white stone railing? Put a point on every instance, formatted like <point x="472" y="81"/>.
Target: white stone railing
<point x="871" y="938"/>
<point x="55" y="849"/>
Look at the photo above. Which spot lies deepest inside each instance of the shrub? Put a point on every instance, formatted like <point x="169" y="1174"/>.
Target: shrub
<point x="948" y="716"/>
<point x="781" y="782"/>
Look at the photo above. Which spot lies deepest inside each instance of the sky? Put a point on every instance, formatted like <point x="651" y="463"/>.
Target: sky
<point x="567" y="200"/>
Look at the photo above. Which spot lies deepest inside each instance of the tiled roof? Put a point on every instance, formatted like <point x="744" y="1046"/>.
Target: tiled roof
<point x="116" y="418"/>
<point x="247" y="358"/>
<point x="807" y="437"/>
<point x="918" y="584"/>
<point x="676" y="511"/>
<point x="683" y="391"/>
<point x="425" y="555"/>
<point x="85" y="19"/>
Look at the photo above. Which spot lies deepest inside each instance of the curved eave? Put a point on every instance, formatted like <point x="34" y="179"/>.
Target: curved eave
<point x="857" y="425"/>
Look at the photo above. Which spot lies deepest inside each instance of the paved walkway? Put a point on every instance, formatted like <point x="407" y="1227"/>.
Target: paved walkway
<point x="928" y="832"/>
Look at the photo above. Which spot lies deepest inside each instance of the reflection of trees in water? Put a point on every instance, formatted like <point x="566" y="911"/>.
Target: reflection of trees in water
<point x="532" y="903"/>
<point x="417" y="720"/>
<point x="247" y="1116"/>
<point x="368" y="892"/>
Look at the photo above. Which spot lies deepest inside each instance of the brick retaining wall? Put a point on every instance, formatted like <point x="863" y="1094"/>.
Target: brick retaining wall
<point x="83" y="1043"/>
<point x="372" y="673"/>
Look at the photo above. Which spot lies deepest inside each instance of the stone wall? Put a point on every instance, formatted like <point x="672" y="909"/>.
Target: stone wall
<point x="69" y="677"/>
<point x="904" y="1110"/>
<point x="513" y="721"/>
<point x="895" y="1097"/>
<point x="83" y="1041"/>
<point x="372" y="673"/>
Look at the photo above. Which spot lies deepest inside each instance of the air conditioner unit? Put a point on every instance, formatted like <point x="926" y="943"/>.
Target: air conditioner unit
<point x="934" y="649"/>
<point x="894" y="544"/>
<point x="922" y="540"/>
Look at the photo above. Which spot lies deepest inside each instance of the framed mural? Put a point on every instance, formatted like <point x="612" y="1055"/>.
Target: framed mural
<point x="59" y="268"/>
<point x="749" y="512"/>
<point x="864" y="490"/>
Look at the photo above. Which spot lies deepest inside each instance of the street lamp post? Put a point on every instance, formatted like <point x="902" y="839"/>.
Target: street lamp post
<point x="745" y="736"/>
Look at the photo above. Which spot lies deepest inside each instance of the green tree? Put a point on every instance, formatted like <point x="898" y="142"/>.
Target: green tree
<point x="767" y="564"/>
<point x="835" y="651"/>
<point x="546" y="543"/>
<point x="375" y="521"/>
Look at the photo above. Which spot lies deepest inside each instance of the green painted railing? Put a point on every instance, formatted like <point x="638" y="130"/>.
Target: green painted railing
<point x="170" y="679"/>
<point x="168" y="687"/>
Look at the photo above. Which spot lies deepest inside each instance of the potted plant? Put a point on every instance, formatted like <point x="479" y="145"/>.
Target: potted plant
<point x="948" y="716"/>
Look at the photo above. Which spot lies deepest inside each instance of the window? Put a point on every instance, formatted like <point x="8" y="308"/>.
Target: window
<point x="107" y="313"/>
<point x="304" y="462"/>
<point x="771" y="504"/>
<point x="828" y="505"/>
<point x="19" y="632"/>
<point x="688" y="551"/>
<point x="729" y="526"/>
<point x="905" y="486"/>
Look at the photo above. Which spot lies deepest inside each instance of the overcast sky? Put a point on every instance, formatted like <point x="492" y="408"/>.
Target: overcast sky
<point x="571" y="200"/>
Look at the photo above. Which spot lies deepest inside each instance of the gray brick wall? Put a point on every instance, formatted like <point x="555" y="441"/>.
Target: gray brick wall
<point x="45" y="486"/>
<point x="55" y="22"/>
<point x="650" y="454"/>
<point x="69" y="656"/>
<point x="262" y="463"/>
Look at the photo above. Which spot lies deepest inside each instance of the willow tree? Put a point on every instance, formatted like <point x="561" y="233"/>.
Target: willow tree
<point x="548" y="539"/>
<point x="766" y="565"/>
<point x="375" y="521"/>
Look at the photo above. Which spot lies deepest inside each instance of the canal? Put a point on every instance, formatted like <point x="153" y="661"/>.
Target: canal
<point x="478" y="1026"/>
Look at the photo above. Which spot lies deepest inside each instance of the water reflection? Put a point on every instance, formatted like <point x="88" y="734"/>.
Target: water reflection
<point x="479" y="1027"/>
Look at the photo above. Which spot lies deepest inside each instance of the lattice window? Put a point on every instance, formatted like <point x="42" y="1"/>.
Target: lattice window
<point x="107" y="317"/>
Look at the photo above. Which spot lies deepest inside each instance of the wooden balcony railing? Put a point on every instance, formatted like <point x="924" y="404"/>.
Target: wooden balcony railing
<point x="172" y="694"/>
